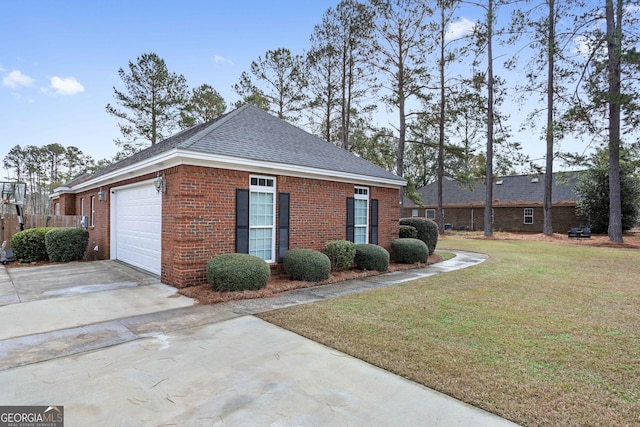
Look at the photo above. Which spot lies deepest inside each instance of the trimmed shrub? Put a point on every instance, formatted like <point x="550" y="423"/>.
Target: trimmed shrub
<point x="341" y="253"/>
<point x="408" y="232"/>
<point x="307" y="265"/>
<point x="237" y="272"/>
<point x="66" y="244"/>
<point x="372" y="257"/>
<point x="29" y="245"/>
<point x="409" y="251"/>
<point x="427" y="231"/>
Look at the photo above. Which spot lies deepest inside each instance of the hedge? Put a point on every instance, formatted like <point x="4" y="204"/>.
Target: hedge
<point x="408" y="232"/>
<point x="66" y="244"/>
<point x="341" y="253"/>
<point x="29" y="245"/>
<point x="371" y="257"/>
<point x="237" y="272"/>
<point x="409" y="251"/>
<point x="307" y="264"/>
<point x="427" y="231"/>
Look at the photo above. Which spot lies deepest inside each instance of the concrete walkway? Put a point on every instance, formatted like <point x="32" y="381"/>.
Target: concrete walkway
<point x="123" y="349"/>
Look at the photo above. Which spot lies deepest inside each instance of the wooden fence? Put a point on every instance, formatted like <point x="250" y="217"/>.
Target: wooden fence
<point x="11" y="225"/>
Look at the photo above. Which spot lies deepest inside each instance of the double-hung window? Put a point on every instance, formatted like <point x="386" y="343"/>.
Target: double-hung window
<point x="430" y="214"/>
<point x="361" y="215"/>
<point x="262" y="211"/>
<point x="528" y="215"/>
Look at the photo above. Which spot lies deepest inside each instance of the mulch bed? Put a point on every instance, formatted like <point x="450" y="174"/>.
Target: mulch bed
<point x="280" y="282"/>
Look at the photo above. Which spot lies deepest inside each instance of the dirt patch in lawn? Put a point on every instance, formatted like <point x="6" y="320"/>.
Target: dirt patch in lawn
<point x="280" y="282"/>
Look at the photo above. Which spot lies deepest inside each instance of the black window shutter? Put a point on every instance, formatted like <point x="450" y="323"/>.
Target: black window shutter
<point x="283" y="225"/>
<point x="242" y="221"/>
<point x="351" y="219"/>
<point x="373" y="226"/>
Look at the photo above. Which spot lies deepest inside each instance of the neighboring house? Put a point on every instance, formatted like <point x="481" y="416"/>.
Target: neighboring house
<point x="517" y="203"/>
<point x="245" y="182"/>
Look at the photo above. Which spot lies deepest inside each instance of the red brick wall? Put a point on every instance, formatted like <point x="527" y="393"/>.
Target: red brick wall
<point x="199" y="216"/>
<point x="507" y="218"/>
<point x="67" y="204"/>
<point x="317" y="210"/>
<point x="388" y="215"/>
<point x="198" y="220"/>
<point x="99" y="232"/>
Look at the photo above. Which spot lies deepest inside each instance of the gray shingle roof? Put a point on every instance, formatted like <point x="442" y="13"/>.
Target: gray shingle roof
<point x="251" y="133"/>
<point x="513" y="189"/>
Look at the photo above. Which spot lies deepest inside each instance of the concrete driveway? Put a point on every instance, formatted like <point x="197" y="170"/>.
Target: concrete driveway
<point x="114" y="346"/>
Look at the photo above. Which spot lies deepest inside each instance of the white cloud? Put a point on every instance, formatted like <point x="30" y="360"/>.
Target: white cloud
<point x="66" y="86"/>
<point x="581" y="46"/>
<point x="221" y="59"/>
<point x="16" y="79"/>
<point x="460" y="29"/>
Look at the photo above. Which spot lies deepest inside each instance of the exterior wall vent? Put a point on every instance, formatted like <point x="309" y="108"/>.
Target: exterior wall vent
<point x="499" y="182"/>
<point x="534" y="180"/>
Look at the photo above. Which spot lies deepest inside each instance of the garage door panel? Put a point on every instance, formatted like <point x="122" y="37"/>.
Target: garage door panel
<point x="138" y="225"/>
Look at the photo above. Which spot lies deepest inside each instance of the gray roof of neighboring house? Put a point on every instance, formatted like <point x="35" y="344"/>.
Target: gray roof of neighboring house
<point x="251" y="133"/>
<point x="512" y="189"/>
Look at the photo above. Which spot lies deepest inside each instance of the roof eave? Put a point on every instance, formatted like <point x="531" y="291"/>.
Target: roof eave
<point x="176" y="157"/>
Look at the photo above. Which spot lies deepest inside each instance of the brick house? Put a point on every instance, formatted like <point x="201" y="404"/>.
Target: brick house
<point x="245" y="182"/>
<point x="517" y="203"/>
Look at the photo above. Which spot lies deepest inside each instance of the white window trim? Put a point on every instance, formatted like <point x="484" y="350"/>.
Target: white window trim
<point x="265" y="189"/>
<point x="93" y="210"/>
<point x="414" y="212"/>
<point x="358" y="196"/>
<point x="81" y="206"/>
<point x="530" y="215"/>
<point x="426" y="214"/>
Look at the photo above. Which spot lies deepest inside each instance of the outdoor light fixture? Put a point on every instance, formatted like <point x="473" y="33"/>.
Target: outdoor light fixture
<point x="101" y="195"/>
<point x="161" y="184"/>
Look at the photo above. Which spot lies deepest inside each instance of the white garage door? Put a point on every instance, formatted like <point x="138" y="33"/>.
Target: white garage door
<point x="137" y="226"/>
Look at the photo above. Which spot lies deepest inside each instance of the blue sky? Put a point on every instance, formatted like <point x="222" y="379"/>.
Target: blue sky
<point x="59" y="59"/>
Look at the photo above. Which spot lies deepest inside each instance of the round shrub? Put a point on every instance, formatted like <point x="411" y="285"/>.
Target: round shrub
<point x="29" y="245"/>
<point x="66" y="244"/>
<point x="341" y="253"/>
<point x="427" y="231"/>
<point x="237" y="272"/>
<point x="409" y="251"/>
<point x="371" y="257"/>
<point x="408" y="232"/>
<point x="307" y="265"/>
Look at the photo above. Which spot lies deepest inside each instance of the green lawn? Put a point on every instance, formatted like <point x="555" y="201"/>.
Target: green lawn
<point x="541" y="333"/>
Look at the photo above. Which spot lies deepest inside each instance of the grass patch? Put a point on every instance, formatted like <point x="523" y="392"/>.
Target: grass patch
<point x="445" y="255"/>
<point x="541" y="333"/>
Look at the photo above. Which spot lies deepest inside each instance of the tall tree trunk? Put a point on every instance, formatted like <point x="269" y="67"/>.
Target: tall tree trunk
<point x="343" y="101"/>
<point x="154" y="119"/>
<point x="441" y="123"/>
<point x="614" y="49"/>
<point x="328" y="112"/>
<point x="488" y="205"/>
<point x="548" y="175"/>
<point x="347" y="122"/>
